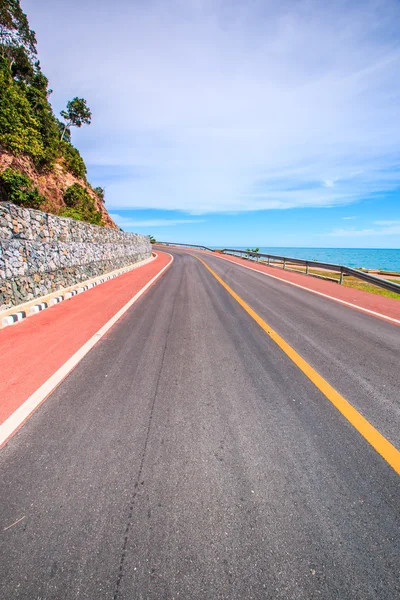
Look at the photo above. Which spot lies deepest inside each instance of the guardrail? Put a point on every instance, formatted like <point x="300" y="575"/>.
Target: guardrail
<point x="185" y="245"/>
<point x="286" y="260"/>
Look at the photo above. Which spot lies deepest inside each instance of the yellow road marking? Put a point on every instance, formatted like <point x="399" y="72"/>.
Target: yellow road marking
<point x="372" y="435"/>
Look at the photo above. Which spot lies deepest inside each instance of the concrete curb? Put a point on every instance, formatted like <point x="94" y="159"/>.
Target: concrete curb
<point x="14" y="318"/>
<point x="29" y="309"/>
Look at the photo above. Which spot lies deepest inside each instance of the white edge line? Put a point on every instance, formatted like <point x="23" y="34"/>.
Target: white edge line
<point x="14" y="421"/>
<point x="366" y="310"/>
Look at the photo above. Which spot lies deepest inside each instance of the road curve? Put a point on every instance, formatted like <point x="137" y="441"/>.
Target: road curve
<point x="188" y="457"/>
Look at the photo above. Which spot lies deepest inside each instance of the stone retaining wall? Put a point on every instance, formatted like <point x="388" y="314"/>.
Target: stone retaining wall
<point x="41" y="253"/>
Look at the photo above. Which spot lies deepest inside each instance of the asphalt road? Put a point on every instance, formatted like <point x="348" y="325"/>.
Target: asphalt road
<point x="187" y="457"/>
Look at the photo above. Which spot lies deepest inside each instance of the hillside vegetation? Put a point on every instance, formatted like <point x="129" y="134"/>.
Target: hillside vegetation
<point x="39" y="166"/>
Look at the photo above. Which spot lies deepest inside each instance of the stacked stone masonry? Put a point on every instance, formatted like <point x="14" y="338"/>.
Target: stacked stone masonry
<point x="41" y="253"/>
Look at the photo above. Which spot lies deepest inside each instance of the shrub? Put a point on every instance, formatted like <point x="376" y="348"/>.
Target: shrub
<point x="73" y="160"/>
<point x="71" y="213"/>
<point x="80" y="205"/>
<point x="100" y="193"/>
<point x="19" y="189"/>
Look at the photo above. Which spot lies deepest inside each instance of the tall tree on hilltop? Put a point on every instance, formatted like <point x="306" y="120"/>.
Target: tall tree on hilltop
<point x="77" y="114"/>
<point x="16" y="37"/>
<point x="64" y="133"/>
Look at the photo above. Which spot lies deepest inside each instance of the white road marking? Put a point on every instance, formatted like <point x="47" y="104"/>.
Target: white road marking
<point x="14" y="421"/>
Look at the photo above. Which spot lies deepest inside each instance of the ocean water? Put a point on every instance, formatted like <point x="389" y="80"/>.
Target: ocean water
<point x="358" y="258"/>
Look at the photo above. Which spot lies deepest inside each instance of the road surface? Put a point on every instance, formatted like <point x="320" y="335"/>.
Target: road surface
<point x="187" y="456"/>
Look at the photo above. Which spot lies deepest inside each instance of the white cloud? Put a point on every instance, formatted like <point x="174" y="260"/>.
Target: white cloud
<point x="384" y="228"/>
<point x="128" y="222"/>
<point x="226" y="106"/>
<point x="395" y="223"/>
<point x="348" y="218"/>
<point x="329" y="183"/>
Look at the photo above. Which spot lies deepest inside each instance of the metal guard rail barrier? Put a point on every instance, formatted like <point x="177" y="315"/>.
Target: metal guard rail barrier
<point x="373" y="279"/>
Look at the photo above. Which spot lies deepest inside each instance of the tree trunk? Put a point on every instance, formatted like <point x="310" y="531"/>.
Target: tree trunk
<point x="65" y="129"/>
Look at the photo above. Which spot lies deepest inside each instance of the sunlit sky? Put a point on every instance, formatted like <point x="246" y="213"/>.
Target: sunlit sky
<point x="235" y="123"/>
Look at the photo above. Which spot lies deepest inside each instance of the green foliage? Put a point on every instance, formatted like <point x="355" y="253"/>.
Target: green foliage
<point x="27" y="122"/>
<point x="19" y="129"/>
<point x="37" y="93"/>
<point x="100" y="193"/>
<point x="80" y="205"/>
<point x="152" y="239"/>
<point x="71" y="213"/>
<point x="21" y="66"/>
<point x="14" y="30"/>
<point x="64" y="132"/>
<point x="19" y="189"/>
<point x="77" y="114"/>
<point x="73" y="160"/>
<point x="250" y="250"/>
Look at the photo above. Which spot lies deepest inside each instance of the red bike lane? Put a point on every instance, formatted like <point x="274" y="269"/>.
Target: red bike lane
<point x="34" y="349"/>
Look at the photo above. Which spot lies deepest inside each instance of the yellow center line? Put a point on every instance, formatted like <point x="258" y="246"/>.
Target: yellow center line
<point x="372" y="435"/>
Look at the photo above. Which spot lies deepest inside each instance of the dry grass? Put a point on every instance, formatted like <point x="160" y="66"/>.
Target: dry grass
<point x="353" y="282"/>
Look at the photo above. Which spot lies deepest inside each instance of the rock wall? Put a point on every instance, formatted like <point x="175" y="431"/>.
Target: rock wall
<point x="41" y="253"/>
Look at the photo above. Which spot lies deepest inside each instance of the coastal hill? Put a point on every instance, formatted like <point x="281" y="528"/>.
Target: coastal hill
<point x="39" y="166"/>
<point x="51" y="185"/>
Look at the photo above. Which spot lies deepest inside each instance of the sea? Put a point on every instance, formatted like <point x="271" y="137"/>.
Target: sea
<point x="358" y="258"/>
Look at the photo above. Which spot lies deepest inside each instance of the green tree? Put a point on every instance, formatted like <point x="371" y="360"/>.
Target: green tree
<point x="18" y="188"/>
<point x="15" y="33"/>
<point x="100" y="193"/>
<point x="65" y="133"/>
<point x="152" y="239"/>
<point x="21" y="65"/>
<point x="76" y="115"/>
<point x="73" y="161"/>
<point x="19" y="129"/>
<point x="80" y="205"/>
<point x="38" y="94"/>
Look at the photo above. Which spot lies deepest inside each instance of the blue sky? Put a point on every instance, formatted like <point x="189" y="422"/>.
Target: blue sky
<point x="235" y="123"/>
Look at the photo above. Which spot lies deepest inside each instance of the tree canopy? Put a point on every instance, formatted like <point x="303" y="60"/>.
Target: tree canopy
<point x="77" y="114"/>
<point x="80" y="205"/>
<point x="15" y="33"/>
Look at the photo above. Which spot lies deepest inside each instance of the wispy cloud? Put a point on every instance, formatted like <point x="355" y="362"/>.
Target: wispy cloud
<point x="348" y="218"/>
<point x="128" y="222"/>
<point x="387" y="223"/>
<point x="329" y="183"/>
<point x="213" y="105"/>
<point x="384" y="228"/>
